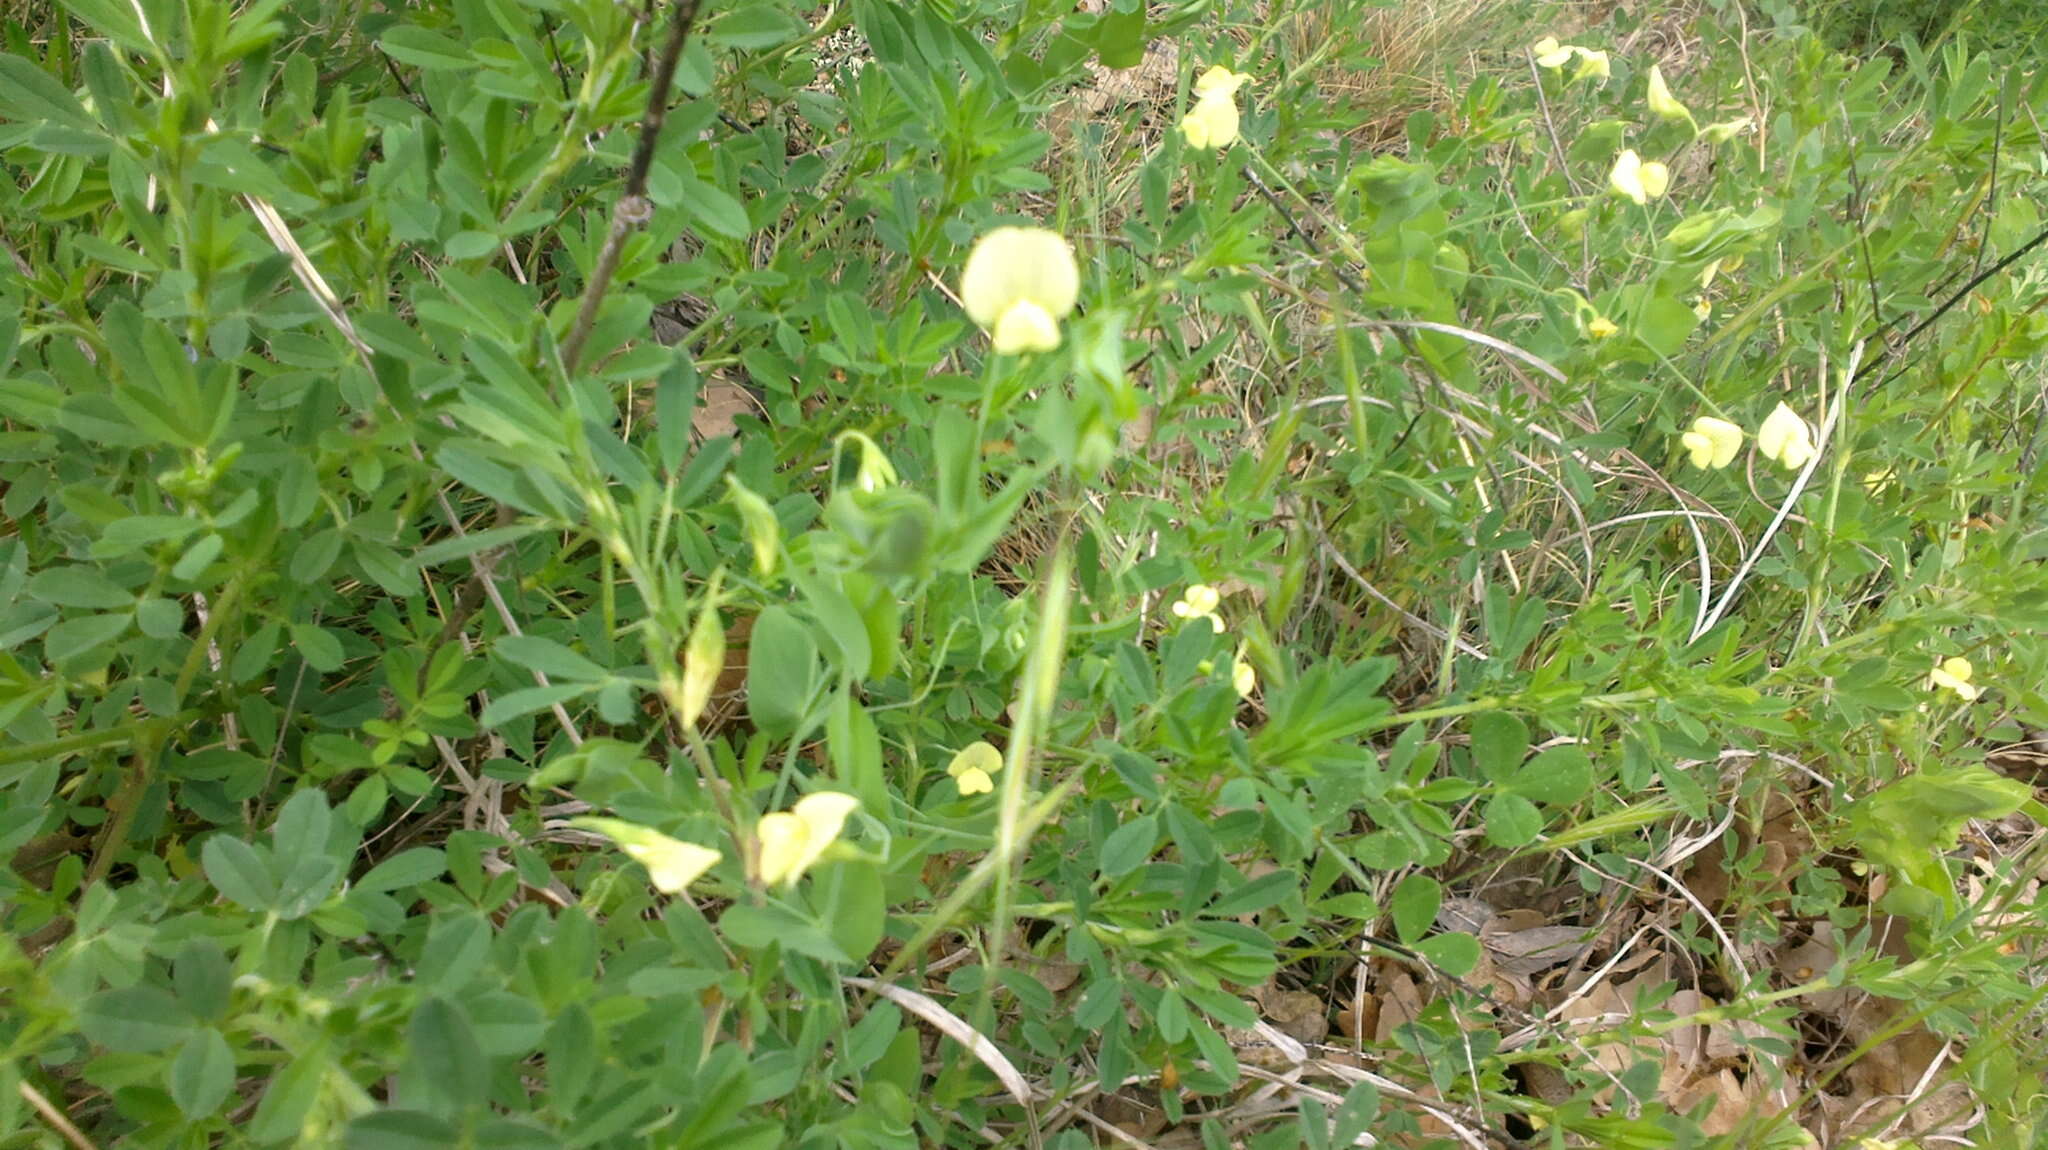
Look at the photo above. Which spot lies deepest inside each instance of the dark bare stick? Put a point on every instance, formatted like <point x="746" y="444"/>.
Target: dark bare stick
<point x="632" y="209"/>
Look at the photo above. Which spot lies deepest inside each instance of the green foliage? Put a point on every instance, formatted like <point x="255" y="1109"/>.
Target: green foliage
<point x="367" y="552"/>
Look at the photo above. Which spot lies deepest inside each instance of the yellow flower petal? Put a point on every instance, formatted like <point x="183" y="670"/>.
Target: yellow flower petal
<point x="703" y="659"/>
<point x="975" y="756"/>
<point x="1243" y="678"/>
<point x="1661" y="101"/>
<point x="974" y="781"/>
<point x="1785" y="439"/>
<point x="1013" y="265"/>
<point x="1601" y="327"/>
<point x="1592" y="66"/>
<point x="1219" y="80"/>
<point x="791" y="841"/>
<point x="1212" y="122"/>
<point x="1626" y="177"/>
<point x="1712" y="442"/>
<point x="1550" y="54"/>
<point x="671" y="863"/>
<point x="1702" y="309"/>
<point x="1655" y="178"/>
<point x="1954" y="673"/>
<point x="1026" y="327"/>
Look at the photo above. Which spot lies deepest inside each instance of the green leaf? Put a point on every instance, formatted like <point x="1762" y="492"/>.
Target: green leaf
<point x="782" y="671"/>
<point x="525" y="701"/>
<point x="1129" y="845"/>
<point x="427" y="51"/>
<point x="404" y="869"/>
<point x="850" y="900"/>
<point x="202" y="1073"/>
<point x="1456" y="953"/>
<point x="1258" y="894"/>
<point x="400" y="1130"/>
<point x="318" y="646"/>
<point x="75" y="637"/>
<point x="202" y="979"/>
<point x="134" y="1020"/>
<point x="752" y="27"/>
<point x="1512" y="821"/>
<point x="29" y="94"/>
<point x="78" y="585"/>
<point x="717" y="211"/>
<point x="445" y="1051"/>
<point x="281" y="1116"/>
<point x="1414" y="905"/>
<point x="239" y="871"/>
<point x="463" y="546"/>
<point x="550" y="658"/>
<point x="1558" y="776"/>
<point x="1499" y="744"/>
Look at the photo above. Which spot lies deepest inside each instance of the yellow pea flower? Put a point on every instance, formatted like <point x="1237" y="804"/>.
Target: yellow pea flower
<point x="1213" y="121"/>
<point x="1661" y="101"/>
<point x="1551" y="54"/>
<point x="1018" y="284"/>
<point x="1200" y="601"/>
<point x="1702" y="309"/>
<point x="764" y="531"/>
<point x="1785" y="438"/>
<point x="792" y="840"/>
<point x="671" y="863"/>
<point x="1712" y="442"/>
<point x="1634" y="180"/>
<point x="974" y="767"/>
<point x="1954" y="674"/>
<point x="1592" y="66"/>
<point x="1219" y="80"/>
<point x="1656" y="179"/>
<point x="1877" y="482"/>
<point x="1242" y="677"/>
<point x="703" y="657"/>
<point x="1601" y="327"/>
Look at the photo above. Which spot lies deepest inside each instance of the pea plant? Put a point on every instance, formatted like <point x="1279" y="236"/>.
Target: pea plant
<point x="741" y="573"/>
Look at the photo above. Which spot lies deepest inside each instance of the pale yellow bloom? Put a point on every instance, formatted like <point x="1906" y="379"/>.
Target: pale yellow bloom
<point x="974" y="767"/>
<point x="1712" y="442"/>
<point x="764" y="531"/>
<point x="1954" y="674"/>
<point x="1199" y="602"/>
<point x="671" y="863"/>
<point x="1551" y="54"/>
<point x="1708" y="273"/>
<point x="1592" y="66"/>
<point x="703" y="657"/>
<point x="1220" y="81"/>
<point x="1785" y="439"/>
<point x="1656" y="179"/>
<point x="1635" y="180"/>
<point x="1242" y="677"/>
<point x="1661" y="101"/>
<point x="1213" y="121"/>
<point x="1876" y="482"/>
<point x="1018" y="284"/>
<point x="1601" y="327"/>
<point x="1702" y="309"/>
<point x="792" y="840"/>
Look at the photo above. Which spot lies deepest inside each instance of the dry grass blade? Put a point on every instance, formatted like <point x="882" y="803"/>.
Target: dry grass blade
<point x="954" y="1027"/>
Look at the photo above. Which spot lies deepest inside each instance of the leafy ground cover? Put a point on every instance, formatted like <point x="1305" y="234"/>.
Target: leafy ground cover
<point x="986" y="573"/>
